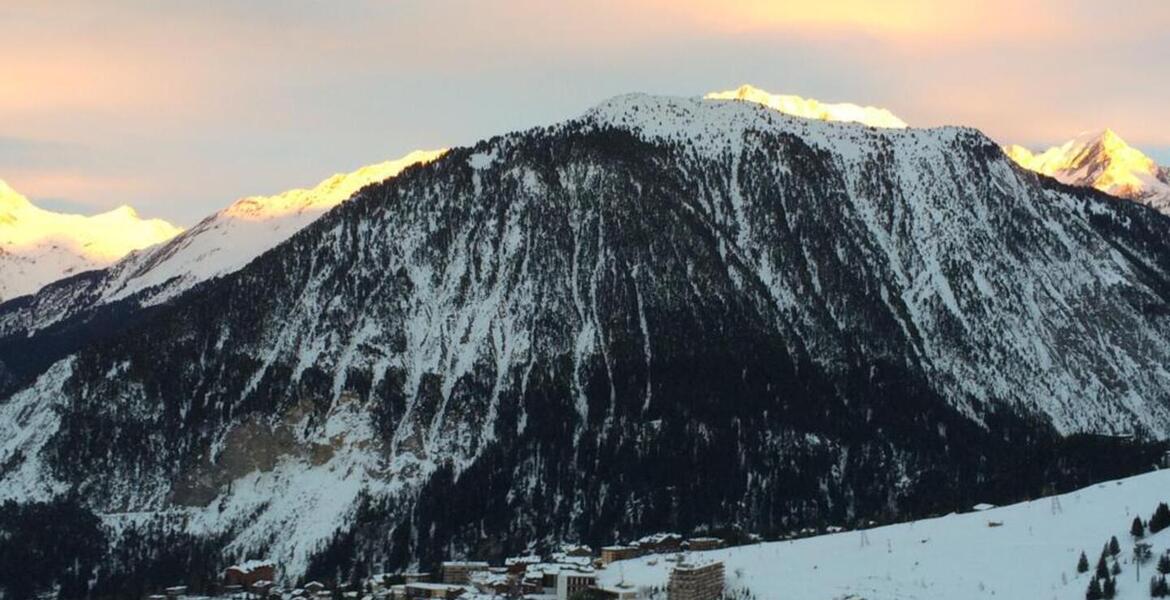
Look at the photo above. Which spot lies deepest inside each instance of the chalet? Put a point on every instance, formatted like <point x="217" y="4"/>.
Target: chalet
<point x="560" y="558"/>
<point x="660" y="543"/>
<point x="518" y="564"/>
<point x="459" y="572"/>
<point x="696" y="582"/>
<point x="700" y="544"/>
<point x="416" y="577"/>
<point x="247" y="574"/>
<point x="577" y="550"/>
<point x="496" y="581"/>
<point x="381" y="581"/>
<point x="610" y="554"/>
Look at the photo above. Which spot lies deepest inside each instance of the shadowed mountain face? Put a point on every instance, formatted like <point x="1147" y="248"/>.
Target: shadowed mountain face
<point x="669" y="313"/>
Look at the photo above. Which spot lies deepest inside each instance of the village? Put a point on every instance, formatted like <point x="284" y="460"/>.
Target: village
<point x="569" y="573"/>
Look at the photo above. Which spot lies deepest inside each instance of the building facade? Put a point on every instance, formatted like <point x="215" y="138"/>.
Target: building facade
<point x="610" y="554"/>
<point x="696" y="582"/>
<point x="459" y="572"/>
<point x="570" y="582"/>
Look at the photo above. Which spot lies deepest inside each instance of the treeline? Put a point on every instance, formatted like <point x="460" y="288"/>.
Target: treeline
<point x="62" y="547"/>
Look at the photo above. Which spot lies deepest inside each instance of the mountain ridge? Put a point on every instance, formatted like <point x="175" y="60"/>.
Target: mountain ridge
<point x="809" y="108"/>
<point x="39" y="246"/>
<point x="667" y="313"/>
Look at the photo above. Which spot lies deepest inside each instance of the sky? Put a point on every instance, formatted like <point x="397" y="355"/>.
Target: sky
<point x="179" y="108"/>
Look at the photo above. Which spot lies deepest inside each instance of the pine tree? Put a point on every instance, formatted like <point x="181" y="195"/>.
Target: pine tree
<point x="1114" y="547"/>
<point x="1158" y="587"/>
<point x="1164" y="564"/>
<point x="1102" y="567"/>
<point x="1109" y="590"/>
<point x="1138" y="529"/>
<point x="1094" y="591"/>
<point x="1115" y="569"/>
<point x="1083" y="563"/>
<point x="1161" y="518"/>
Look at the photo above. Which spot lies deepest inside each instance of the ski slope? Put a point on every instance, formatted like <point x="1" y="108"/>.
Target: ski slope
<point x="1032" y="555"/>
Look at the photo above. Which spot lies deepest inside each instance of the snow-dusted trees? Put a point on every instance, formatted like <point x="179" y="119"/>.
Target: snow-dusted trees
<point x="1083" y="563"/>
<point x="1137" y="529"/>
<point x="1102" y="564"/>
<point x="1161" y="518"/>
<point x="1094" y="591"/>
<point x="1158" y="587"/>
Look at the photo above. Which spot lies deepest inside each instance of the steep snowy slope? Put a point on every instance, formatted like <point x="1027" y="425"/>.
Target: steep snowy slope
<point x="667" y="313"/>
<point x="812" y="109"/>
<point x="38" y="246"/>
<point x="78" y="308"/>
<point x="1102" y="160"/>
<point x="232" y="237"/>
<point x="1032" y="553"/>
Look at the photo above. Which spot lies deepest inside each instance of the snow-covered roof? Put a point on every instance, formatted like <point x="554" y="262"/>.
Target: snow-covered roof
<point x="658" y="538"/>
<point x="251" y="565"/>
<point x="522" y="560"/>
<point x="465" y="563"/>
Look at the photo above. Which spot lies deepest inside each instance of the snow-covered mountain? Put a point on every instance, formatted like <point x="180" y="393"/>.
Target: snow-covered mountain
<point x="221" y="243"/>
<point x="232" y="237"/>
<point x="1102" y="160"/>
<point x="38" y="246"/>
<point x="75" y="308"/>
<point x="812" y="109"/>
<point x="667" y="313"/>
<point x="1031" y="551"/>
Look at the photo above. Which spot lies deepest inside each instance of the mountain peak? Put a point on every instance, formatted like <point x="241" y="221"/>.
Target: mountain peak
<point x="10" y="199"/>
<point x="1103" y="160"/>
<point x="809" y="108"/>
<point x="38" y="246"/>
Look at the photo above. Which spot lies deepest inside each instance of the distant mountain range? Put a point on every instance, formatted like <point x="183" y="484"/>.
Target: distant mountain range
<point x="217" y="245"/>
<point x="39" y="246"/>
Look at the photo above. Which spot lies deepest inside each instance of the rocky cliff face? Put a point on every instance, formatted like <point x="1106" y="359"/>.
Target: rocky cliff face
<point x="665" y="314"/>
